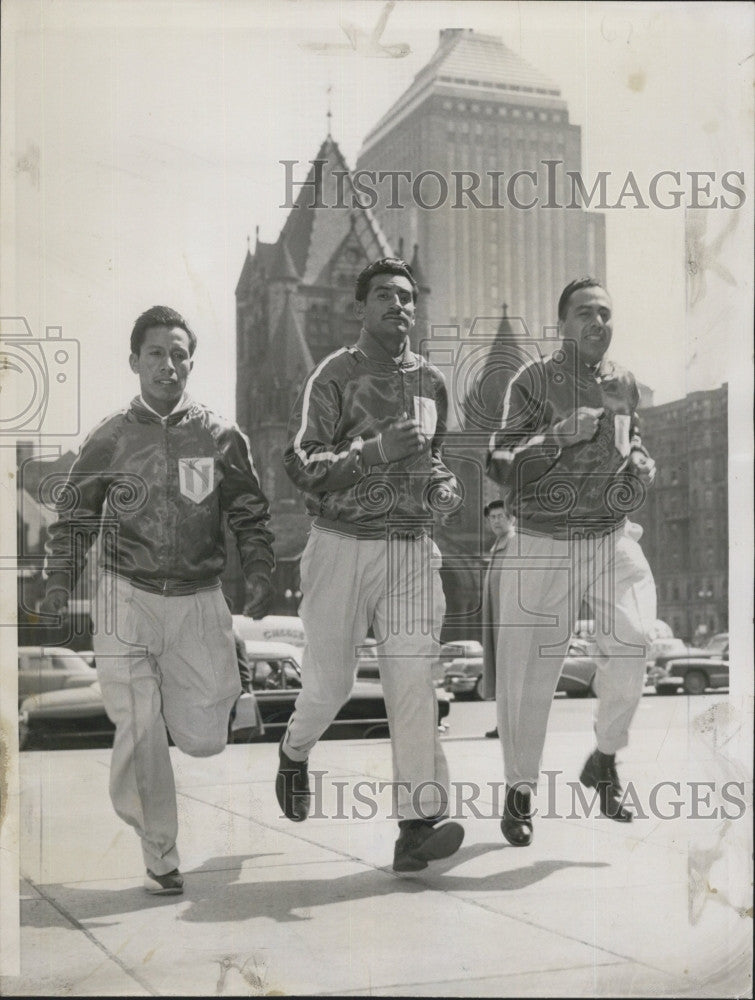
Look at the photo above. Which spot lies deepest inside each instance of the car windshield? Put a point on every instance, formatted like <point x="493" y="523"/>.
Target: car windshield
<point x="71" y="663"/>
<point x="718" y="644"/>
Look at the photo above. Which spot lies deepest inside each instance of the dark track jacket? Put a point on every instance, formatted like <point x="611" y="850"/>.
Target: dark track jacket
<point x="588" y="486"/>
<point x="347" y="400"/>
<point x="158" y="489"/>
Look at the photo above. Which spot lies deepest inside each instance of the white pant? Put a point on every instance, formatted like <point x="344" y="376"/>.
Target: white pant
<point x="542" y="587"/>
<point x="350" y="584"/>
<point x="161" y="661"/>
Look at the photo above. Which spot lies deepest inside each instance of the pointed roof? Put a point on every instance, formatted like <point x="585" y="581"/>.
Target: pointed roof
<point x="482" y="404"/>
<point x="246" y="272"/>
<point x="283" y="267"/>
<point x="505" y="329"/>
<point x="288" y="350"/>
<point x="466" y="64"/>
<point x="261" y="260"/>
<point x="311" y="233"/>
<point x="417" y="271"/>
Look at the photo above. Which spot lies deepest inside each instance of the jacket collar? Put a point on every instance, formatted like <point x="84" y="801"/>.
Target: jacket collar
<point x="598" y="369"/>
<point x="144" y="409"/>
<point x="371" y="348"/>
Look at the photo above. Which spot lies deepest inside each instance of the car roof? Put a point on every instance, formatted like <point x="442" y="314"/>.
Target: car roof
<point x="48" y="650"/>
<point x="263" y="647"/>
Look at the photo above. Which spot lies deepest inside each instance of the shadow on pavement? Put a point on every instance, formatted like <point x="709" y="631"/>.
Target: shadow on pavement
<point x="214" y="893"/>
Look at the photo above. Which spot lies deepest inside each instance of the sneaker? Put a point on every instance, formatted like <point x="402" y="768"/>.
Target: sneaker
<point x="420" y="842"/>
<point x="292" y="787"/>
<point x="171" y="884"/>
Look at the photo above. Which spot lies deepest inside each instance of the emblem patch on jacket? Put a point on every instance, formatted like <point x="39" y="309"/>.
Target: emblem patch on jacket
<point x="196" y="477"/>
<point x="426" y="415"/>
<point x="621" y="422"/>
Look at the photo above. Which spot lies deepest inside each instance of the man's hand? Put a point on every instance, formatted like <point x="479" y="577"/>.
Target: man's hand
<point x="55" y="601"/>
<point x="259" y="593"/>
<point x="403" y="437"/>
<point x="643" y="467"/>
<point x="586" y="419"/>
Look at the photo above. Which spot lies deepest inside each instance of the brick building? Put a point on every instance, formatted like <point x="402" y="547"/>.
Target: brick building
<point x="685" y="516"/>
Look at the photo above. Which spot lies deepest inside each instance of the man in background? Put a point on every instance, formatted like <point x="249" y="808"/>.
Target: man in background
<point x="502" y="525"/>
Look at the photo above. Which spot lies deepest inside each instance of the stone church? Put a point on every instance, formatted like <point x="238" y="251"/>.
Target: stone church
<point x="294" y="305"/>
<point x="475" y="106"/>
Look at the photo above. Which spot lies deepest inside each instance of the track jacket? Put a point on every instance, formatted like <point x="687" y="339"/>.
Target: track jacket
<point x="347" y="400"/>
<point x="161" y="487"/>
<point x="588" y="486"/>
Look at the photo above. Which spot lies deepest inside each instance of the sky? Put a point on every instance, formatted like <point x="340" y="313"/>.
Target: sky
<point x="142" y="141"/>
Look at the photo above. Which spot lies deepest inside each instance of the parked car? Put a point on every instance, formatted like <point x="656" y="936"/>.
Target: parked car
<point x="465" y="654"/>
<point x="68" y="717"/>
<point x="275" y="668"/>
<point x="577" y="678"/>
<point x="271" y="628"/>
<point x="693" y="670"/>
<point x="51" y="668"/>
<point x="463" y="676"/>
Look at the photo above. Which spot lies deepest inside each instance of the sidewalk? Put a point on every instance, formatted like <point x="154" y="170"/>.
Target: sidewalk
<point x="592" y="908"/>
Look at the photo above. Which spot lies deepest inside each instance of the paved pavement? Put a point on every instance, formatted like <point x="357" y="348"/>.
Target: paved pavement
<point x="661" y="907"/>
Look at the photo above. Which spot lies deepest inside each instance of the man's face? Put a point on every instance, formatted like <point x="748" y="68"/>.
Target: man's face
<point x="388" y="311"/>
<point x="588" y="323"/>
<point x="499" y="521"/>
<point x="163" y="365"/>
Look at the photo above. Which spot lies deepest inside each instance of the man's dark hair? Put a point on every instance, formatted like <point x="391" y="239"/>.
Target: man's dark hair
<point x="571" y="288"/>
<point x="160" y="316"/>
<point x="495" y="505"/>
<point x="386" y="265"/>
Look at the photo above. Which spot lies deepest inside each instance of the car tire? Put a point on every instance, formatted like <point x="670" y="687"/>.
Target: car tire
<point x="666" y="690"/>
<point x="695" y="682"/>
<point x="477" y="693"/>
<point x="592" y="693"/>
<point x="577" y="693"/>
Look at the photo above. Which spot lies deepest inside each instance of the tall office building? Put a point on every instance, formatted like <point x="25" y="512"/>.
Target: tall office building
<point x="477" y="110"/>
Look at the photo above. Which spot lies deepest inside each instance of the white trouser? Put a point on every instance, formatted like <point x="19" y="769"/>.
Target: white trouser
<point x="350" y="584"/>
<point x="161" y="661"/>
<point x="542" y="587"/>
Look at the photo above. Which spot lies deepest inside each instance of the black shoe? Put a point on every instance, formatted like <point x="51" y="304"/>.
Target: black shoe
<point x="516" y="825"/>
<point x="420" y="842"/>
<point x="600" y="772"/>
<point x="492" y="734"/>
<point x="171" y="884"/>
<point x="292" y="787"/>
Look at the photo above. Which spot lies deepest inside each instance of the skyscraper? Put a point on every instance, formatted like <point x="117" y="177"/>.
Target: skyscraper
<point x="492" y="134"/>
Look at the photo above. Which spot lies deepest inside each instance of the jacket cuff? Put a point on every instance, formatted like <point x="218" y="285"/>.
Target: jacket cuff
<point x="58" y="580"/>
<point x="258" y="569"/>
<point x="372" y="453"/>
